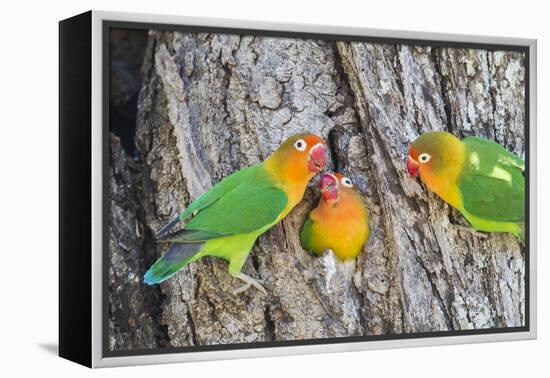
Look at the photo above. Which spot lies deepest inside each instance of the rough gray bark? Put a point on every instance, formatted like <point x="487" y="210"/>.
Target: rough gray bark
<point x="212" y="104"/>
<point x="134" y="309"/>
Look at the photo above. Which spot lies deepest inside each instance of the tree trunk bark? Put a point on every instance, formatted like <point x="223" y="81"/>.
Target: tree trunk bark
<point x="211" y="104"/>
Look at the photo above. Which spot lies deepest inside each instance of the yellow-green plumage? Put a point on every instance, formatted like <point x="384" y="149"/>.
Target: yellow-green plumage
<point x="339" y="223"/>
<point x="478" y="177"/>
<point x="226" y="221"/>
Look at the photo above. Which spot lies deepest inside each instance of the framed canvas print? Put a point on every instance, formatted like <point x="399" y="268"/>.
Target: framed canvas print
<point x="234" y="189"/>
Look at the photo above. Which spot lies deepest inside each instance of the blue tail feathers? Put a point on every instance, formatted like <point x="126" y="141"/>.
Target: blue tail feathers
<point x="175" y="258"/>
<point x="165" y="230"/>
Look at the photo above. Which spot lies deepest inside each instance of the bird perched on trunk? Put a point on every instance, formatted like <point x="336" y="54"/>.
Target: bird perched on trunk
<point x="340" y="222"/>
<point x="478" y="177"/>
<point x="226" y="220"/>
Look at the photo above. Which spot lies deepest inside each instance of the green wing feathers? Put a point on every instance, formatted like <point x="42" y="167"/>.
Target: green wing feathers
<point x="504" y="157"/>
<point x="305" y="234"/>
<point x="249" y="207"/>
<point x="241" y="205"/>
<point x="208" y="198"/>
<point x="218" y="191"/>
<point x="492" y="183"/>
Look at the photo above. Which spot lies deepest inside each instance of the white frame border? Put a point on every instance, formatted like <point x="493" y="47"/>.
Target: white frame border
<point x="97" y="188"/>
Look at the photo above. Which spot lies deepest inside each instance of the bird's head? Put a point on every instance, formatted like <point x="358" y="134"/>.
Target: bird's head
<point x="301" y="156"/>
<point x="433" y="154"/>
<point x="335" y="185"/>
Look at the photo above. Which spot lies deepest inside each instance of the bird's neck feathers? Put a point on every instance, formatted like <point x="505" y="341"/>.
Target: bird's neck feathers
<point x="349" y="205"/>
<point x="442" y="175"/>
<point x="290" y="173"/>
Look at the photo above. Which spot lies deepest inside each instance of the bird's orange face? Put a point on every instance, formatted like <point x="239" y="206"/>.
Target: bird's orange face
<point x="438" y="158"/>
<point x="415" y="160"/>
<point x="301" y="156"/>
<point x="334" y="185"/>
<point x="431" y="154"/>
<point x="308" y="150"/>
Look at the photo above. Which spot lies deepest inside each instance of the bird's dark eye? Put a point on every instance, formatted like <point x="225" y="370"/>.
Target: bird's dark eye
<point x="347" y="182"/>
<point x="424" y="158"/>
<point x="300" y="145"/>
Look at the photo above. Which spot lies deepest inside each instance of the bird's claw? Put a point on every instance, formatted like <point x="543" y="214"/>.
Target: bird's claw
<point x="249" y="281"/>
<point x="241" y="289"/>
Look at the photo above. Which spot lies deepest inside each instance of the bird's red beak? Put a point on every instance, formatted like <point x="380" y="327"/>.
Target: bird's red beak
<point x="412" y="167"/>
<point x="317" y="158"/>
<point x="329" y="187"/>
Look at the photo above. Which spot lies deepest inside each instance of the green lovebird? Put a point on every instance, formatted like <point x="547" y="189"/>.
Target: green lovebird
<point x="477" y="176"/>
<point x="226" y="220"/>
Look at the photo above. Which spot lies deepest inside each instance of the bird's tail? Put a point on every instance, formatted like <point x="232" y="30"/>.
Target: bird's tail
<point x="167" y="228"/>
<point x="175" y="258"/>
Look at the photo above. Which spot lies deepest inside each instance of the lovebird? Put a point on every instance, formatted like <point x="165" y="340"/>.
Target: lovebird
<point x="476" y="176"/>
<point x="340" y="222"/>
<point x="227" y="219"/>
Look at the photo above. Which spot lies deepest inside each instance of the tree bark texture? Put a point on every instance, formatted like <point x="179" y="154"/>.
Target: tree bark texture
<point x="211" y="104"/>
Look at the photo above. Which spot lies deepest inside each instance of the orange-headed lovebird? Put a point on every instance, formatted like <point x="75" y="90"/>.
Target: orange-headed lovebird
<point x="478" y="177"/>
<point x="340" y="222"/>
<point x="226" y="220"/>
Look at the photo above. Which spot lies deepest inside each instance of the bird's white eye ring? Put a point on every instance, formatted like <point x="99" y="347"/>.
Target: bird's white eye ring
<point x="347" y="182"/>
<point x="424" y="158"/>
<point x="300" y="145"/>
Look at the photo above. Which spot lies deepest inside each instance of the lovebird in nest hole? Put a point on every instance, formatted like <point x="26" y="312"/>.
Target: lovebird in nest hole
<point x="340" y="222"/>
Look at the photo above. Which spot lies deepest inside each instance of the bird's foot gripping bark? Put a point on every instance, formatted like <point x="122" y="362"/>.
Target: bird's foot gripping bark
<point x="249" y="281"/>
